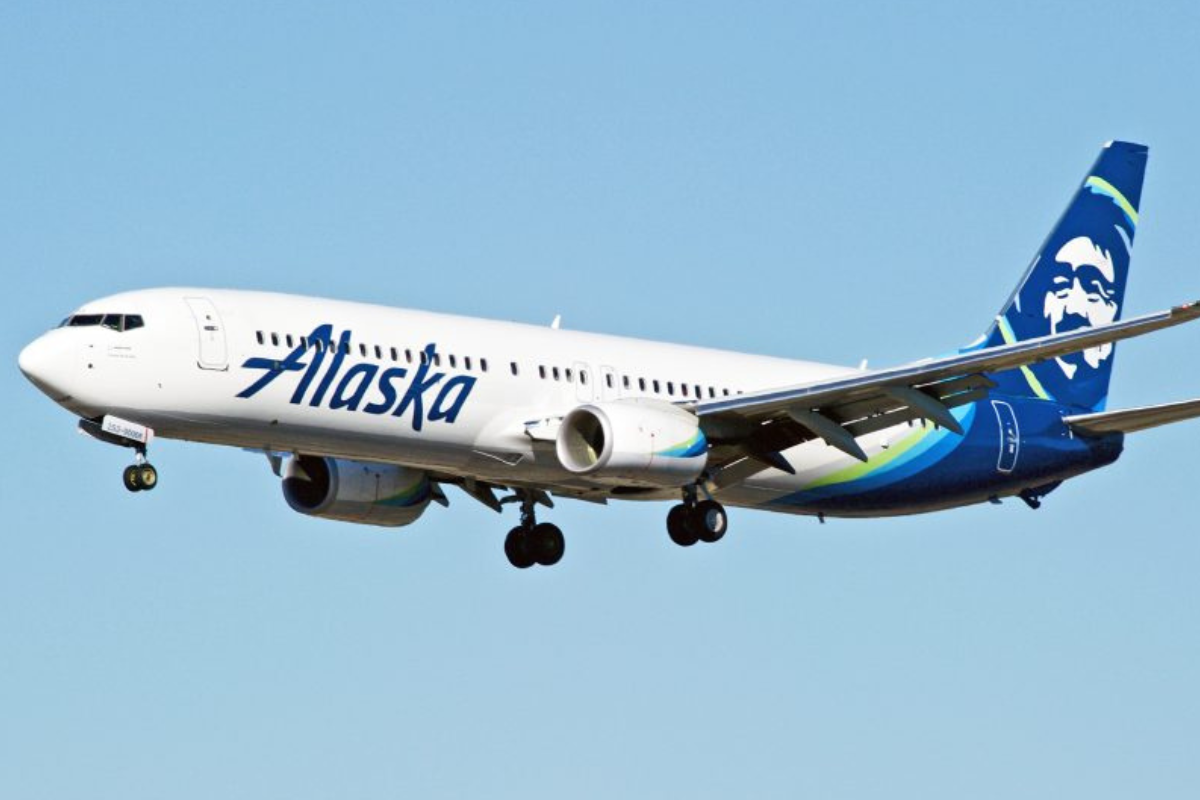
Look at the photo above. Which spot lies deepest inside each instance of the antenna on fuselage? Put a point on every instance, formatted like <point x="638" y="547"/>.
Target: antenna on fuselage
<point x="557" y="321"/>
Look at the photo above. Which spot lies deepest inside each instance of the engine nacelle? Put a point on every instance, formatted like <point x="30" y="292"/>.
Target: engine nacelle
<point x="355" y="491"/>
<point x="644" y="443"/>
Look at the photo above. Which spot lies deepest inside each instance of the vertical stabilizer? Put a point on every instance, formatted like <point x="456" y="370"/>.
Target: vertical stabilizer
<point x="1077" y="280"/>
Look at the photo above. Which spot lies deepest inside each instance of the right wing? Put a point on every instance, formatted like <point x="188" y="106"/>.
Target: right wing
<point x="750" y="431"/>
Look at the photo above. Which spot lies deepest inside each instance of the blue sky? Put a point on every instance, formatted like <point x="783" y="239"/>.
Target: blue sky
<point x="828" y="181"/>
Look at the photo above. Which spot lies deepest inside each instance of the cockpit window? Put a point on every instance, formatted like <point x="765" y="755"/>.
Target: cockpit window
<point x="84" y="320"/>
<point x="116" y="322"/>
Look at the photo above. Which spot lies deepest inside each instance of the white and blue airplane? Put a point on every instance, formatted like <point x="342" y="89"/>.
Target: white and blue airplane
<point x="367" y="412"/>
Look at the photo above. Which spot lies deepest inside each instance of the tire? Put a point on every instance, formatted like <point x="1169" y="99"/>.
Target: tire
<point x="132" y="479"/>
<point x="147" y="477"/>
<point x="516" y="547"/>
<point x="679" y="527"/>
<point x="709" y="520"/>
<point x="548" y="544"/>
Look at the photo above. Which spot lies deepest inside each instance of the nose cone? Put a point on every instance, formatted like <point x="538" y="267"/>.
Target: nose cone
<point x="45" y="364"/>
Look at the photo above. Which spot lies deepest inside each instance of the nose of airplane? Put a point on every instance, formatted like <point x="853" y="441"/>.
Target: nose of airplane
<point x="45" y="365"/>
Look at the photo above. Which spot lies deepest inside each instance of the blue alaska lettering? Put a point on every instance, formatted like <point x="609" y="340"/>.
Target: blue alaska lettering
<point x="366" y="387"/>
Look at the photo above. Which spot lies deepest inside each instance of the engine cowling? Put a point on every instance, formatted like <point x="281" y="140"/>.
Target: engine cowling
<point x="356" y="491"/>
<point x="637" y="442"/>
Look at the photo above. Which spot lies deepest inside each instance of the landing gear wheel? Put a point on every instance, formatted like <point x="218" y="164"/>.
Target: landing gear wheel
<point x="517" y="548"/>
<point x="548" y="544"/>
<point x="679" y="526"/>
<point x="709" y="521"/>
<point x="147" y="477"/>
<point x="131" y="479"/>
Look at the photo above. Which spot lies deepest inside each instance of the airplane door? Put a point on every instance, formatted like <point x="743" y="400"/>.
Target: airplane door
<point x="211" y="331"/>
<point x="1010" y="436"/>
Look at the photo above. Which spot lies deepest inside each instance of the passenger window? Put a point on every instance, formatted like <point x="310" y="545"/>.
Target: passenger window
<point x="712" y="392"/>
<point x="512" y="365"/>
<point x="671" y="388"/>
<point x="570" y="375"/>
<point x="345" y="348"/>
<point x="554" y="372"/>
<point x="437" y="359"/>
<point x="542" y="371"/>
<point x="133" y="322"/>
<point x="275" y="340"/>
<point x="453" y="362"/>
<point x="257" y="335"/>
<point x="683" y="389"/>
<point x="362" y="349"/>
<point x="608" y="379"/>
<point x="726" y="391"/>
<point x="289" y="340"/>
<point x="304" y="342"/>
<point x="625" y="381"/>
<point x="583" y="377"/>
<point x="642" y="384"/>
<point x="408" y="357"/>
<point x="319" y="345"/>
<point x="656" y="389"/>
<point x="483" y="365"/>
<point x="394" y="354"/>
<point x="467" y="363"/>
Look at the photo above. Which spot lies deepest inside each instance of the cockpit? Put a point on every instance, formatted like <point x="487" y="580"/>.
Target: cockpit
<point x="116" y="322"/>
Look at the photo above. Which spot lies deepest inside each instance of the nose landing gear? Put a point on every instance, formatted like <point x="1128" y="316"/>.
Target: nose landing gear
<point x="140" y="477"/>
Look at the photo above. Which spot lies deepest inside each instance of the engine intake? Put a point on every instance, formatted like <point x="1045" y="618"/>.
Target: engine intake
<point x="356" y="491"/>
<point x="645" y="443"/>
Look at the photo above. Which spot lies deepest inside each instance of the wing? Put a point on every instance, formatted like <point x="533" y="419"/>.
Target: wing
<point x="748" y="432"/>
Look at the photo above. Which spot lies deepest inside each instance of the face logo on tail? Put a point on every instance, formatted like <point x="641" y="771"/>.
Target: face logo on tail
<point x="1082" y="294"/>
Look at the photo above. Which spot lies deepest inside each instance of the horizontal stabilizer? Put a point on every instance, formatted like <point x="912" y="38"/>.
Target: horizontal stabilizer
<point x="1131" y="420"/>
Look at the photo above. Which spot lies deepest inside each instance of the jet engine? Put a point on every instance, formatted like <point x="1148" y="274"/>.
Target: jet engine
<point x="356" y="491"/>
<point x="636" y="442"/>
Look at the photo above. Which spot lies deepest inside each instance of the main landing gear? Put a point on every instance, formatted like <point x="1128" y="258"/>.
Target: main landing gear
<point x="692" y="521"/>
<point x="142" y="476"/>
<point x="532" y="542"/>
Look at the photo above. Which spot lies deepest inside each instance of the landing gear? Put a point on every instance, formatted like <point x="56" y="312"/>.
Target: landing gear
<point x="532" y="542"/>
<point x="140" y="477"/>
<point x="691" y="522"/>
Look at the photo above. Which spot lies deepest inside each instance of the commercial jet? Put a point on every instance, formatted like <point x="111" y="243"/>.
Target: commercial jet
<point x="367" y="413"/>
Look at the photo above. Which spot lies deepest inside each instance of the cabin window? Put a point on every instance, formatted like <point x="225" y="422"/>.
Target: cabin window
<point x="257" y="334"/>
<point x="657" y="390"/>
<point x="569" y="375"/>
<point x="712" y="392"/>
<point x="512" y="365"/>
<point x="642" y="384"/>
<point x="554" y="371"/>
<point x="625" y="381"/>
<point x="671" y="388"/>
<point x="483" y="365"/>
<point x="392" y="352"/>
<point x="608" y="380"/>
<point x="683" y="389"/>
<point x="467" y="363"/>
<point x="318" y="345"/>
<point x="726" y="392"/>
<point x="422" y="356"/>
<point x="583" y="377"/>
<point x="408" y="356"/>
<point x="453" y="362"/>
<point x="542" y="371"/>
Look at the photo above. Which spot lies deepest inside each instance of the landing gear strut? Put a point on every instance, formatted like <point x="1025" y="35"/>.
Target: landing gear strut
<point x="532" y="542"/>
<point x="696" y="521"/>
<point x="141" y="476"/>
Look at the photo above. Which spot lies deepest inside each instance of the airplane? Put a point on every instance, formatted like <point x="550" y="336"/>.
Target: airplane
<point x="366" y="413"/>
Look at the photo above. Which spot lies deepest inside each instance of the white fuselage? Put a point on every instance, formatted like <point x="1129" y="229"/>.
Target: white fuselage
<point x="182" y="372"/>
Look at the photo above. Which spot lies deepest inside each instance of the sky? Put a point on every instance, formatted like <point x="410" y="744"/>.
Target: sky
<point x="829" y="181"/>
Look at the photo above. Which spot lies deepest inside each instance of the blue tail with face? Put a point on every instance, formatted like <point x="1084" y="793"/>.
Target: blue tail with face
<point x="1077" y="280"/>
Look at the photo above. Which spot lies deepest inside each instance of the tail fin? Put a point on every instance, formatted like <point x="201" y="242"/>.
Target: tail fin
<point x="1077" y="280"/>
